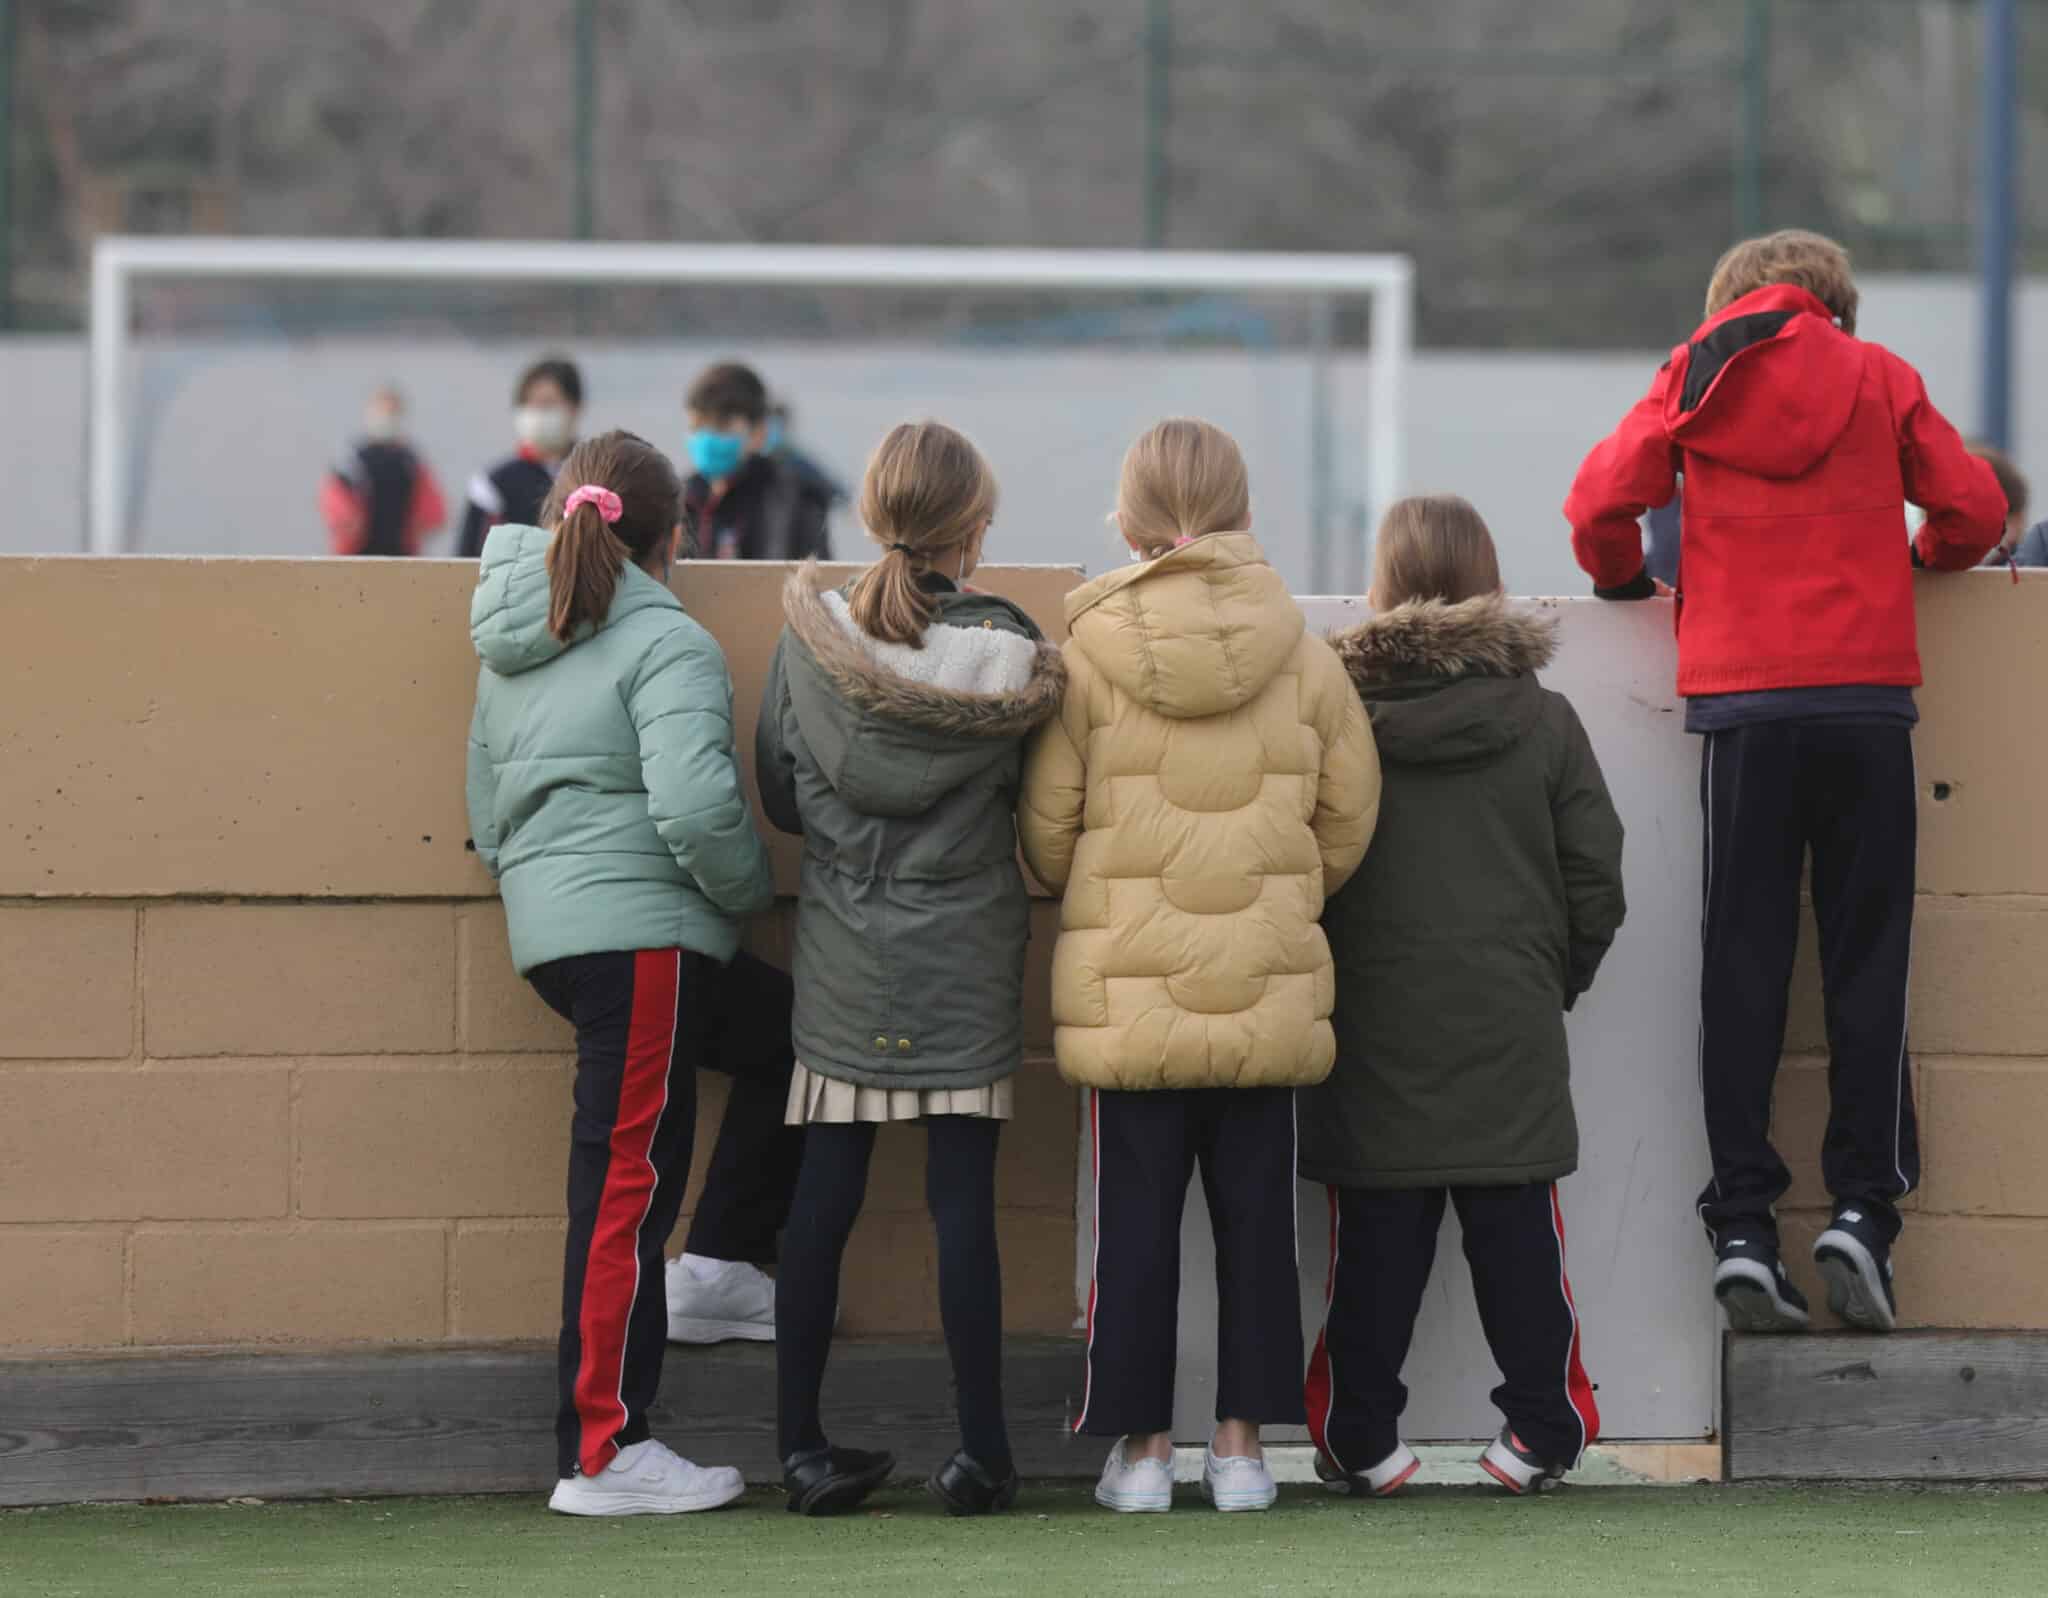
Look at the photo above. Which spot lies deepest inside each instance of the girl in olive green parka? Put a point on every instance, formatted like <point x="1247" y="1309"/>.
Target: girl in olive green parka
<point x="891" y="738"/>
<point x="1491" y="893"/>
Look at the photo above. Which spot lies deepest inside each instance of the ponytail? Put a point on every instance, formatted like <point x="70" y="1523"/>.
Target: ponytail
<point x="615" y="499"/>
<point x="584" y="563"/>
<point x="886" y="602"/>
<point x="927" y="491"/>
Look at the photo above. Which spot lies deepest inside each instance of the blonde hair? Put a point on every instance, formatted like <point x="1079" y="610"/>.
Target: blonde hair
<point x="1180" y="480"/>
<point x="927" y="490"/>
<point x="1433" y="546"/>
<point x="1792" y="255"/>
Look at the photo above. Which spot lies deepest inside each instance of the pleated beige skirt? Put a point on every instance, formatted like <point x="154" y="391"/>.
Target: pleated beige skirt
<point x="824" y="1100"/>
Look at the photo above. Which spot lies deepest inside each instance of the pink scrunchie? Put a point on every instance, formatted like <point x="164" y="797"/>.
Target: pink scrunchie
<point x="597" y="494"/>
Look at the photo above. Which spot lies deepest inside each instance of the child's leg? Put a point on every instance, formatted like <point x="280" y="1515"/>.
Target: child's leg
<point x="1749" y="793"/>
<point x="829" y="1191"/>
<point x="1514" y="1242"/>
<point x="752" y="1171"/>
<point x="1246" y="1145"/>
<point x="960" y="1190"/>
<point x="1142" y="1159"/>
<point x="629" y="1160"/>
<point x="1864" y="816"/>
<point x="1382" y="1244"/>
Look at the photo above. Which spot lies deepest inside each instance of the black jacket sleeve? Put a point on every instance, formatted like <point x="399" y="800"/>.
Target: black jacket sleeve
<point x="774" y="761"/>
<point x="1589" y="836"/>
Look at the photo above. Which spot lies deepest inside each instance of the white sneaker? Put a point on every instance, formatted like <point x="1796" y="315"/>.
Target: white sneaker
<point x="716" y="1301"/>
<point x="1237" y="1481"/>
<point x="1135" y="1486"/>
<point x="647" y="1478"/>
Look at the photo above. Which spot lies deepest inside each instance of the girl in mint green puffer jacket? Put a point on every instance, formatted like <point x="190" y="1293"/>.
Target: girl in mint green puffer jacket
<point x="605" y="796"/>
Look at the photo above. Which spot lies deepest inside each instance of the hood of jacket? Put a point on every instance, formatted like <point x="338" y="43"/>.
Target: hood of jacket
<point x="896" y="728"/>
<point x="1767" y="386"/>
<point x="1449" y="685"/>
<point x="508" y="613"/>
<point x="1196" y="632"/>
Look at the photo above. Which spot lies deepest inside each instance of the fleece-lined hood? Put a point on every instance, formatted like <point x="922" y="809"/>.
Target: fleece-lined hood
<point x="1196" y="632"/>
<point x="1766" y="385"/>
<point x="1449" y="684"/>
<point x="895" y="728"/>
<point x="508" y="613"/>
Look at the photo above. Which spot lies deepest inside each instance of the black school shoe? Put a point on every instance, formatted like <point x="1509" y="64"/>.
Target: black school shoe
<point x="965" y="1488"/>
<point x="833" y="1480"/>
<point x="1855" y="1259"/>
<point x="1750" y="1282"/>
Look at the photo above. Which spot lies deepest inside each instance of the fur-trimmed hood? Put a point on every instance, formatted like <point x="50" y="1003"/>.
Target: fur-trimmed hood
<point x="1428" y="638"/>
<point x="895" y="727"/>
<point x="1449" y="684"/>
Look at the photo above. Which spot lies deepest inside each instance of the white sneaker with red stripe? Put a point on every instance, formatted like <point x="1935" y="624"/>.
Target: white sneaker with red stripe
<point x="648" y="1478"/>
<point x="1383" y="1480"/>
<point x="1509" y="1461"/>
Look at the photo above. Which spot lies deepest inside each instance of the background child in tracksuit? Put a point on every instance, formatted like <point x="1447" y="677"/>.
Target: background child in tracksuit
<point x="605" y="797"/>
<point x="891" y="738"/>
<point x="1481" y="913"/>
<point x="1797" y="654"/>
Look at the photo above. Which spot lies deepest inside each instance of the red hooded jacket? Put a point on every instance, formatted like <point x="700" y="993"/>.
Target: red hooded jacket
<point x="1800" y="446"/>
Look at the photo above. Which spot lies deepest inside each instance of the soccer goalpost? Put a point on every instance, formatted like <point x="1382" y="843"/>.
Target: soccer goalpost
<point x="1384" y="282"/>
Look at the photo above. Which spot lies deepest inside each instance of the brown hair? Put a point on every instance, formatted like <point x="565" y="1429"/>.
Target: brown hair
<point x="1182" y="479"/>
<point x="2011" y="479"/>
<point x="927" y="490"/>
<point x="728" y="389"/>
<point x="1792" y="255"/>
<point x="1433" y="546"/>
<point x="587" y="554"/>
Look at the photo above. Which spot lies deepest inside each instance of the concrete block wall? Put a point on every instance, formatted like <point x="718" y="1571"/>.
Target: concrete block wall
<point x="267" y="1075"/>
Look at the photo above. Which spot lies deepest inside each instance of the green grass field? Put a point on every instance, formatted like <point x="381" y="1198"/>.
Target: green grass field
<point x="1435" y="1543"/>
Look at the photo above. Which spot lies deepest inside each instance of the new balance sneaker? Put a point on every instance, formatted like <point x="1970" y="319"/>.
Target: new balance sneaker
<point x="1383" y="1480"/>
<point x="1237" y="1481"/>
<point x="1750" y="1282"/>
<point x="719" y="1301"/>
<point x="1135" y="1486"/>
<point x="647" y="1478"/>
<point x="1509" y="1461"/>
<point x="1856" y="1262"/>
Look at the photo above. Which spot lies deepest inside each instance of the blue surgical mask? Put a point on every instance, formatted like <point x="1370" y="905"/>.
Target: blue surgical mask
<point x="771" y="437"/>
<point x="716" y="455"/>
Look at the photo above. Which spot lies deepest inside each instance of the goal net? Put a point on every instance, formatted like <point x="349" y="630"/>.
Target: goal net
<point x="229" y="374"/>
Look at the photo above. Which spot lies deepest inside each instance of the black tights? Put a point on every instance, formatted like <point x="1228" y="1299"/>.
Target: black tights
<point x="960" y="1190"/>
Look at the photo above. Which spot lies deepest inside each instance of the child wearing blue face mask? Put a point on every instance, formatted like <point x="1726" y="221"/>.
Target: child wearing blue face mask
<point x="741" y="502"/>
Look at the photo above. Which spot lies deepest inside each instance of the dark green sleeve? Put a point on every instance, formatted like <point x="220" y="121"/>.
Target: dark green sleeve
<point x="1589" y="838"/>
<point x="774" y="762"/>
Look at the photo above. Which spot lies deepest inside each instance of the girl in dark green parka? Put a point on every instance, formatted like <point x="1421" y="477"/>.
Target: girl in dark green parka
<point x="1491" y="893"/>
<point x="891" y="738"/>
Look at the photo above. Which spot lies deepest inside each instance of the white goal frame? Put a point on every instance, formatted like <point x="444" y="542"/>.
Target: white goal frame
<point x="1387" y="282"/>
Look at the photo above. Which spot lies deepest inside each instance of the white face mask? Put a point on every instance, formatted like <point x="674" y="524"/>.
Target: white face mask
<point x="381" y="425"/>
<point x="542" y="427"/>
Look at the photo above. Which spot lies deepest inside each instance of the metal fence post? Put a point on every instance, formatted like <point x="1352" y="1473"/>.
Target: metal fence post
<point x="1995" y="203"/>
<point x="1754" y="104"/>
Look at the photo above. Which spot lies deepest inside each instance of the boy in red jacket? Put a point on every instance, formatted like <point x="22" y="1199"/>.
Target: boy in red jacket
<point x="1800" y="446"/>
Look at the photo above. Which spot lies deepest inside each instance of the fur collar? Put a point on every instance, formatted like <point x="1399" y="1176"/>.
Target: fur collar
<point x="860" y="673"/>
<point x="1428" y="638"/>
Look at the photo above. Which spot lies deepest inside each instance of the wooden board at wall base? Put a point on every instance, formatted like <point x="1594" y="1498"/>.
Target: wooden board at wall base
<point x="1914" y="1406"/>
<point x="478" y="1420"/>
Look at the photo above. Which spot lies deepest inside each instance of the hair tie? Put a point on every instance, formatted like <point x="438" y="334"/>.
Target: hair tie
<point x="597" y="494"/>
<point x="903" y="549"/>
<point x="1184" y="540"/>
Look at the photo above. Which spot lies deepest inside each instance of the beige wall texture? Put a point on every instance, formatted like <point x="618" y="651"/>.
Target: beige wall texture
<point x="266" y="1072"/>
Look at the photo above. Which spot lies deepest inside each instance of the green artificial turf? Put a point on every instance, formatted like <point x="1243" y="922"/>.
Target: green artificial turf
<point x="1586" y="1543"/>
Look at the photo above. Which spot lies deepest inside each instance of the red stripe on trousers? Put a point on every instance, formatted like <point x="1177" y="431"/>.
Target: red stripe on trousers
<point x="1095" y="1251"/>
<point x="1578" y="1388"/>
<point x="611" y="1271"/>
<point x="1319" y="1391"/>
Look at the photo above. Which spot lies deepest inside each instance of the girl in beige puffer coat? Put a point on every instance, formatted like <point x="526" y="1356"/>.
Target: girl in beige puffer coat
<point x="1210" y="779"/>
